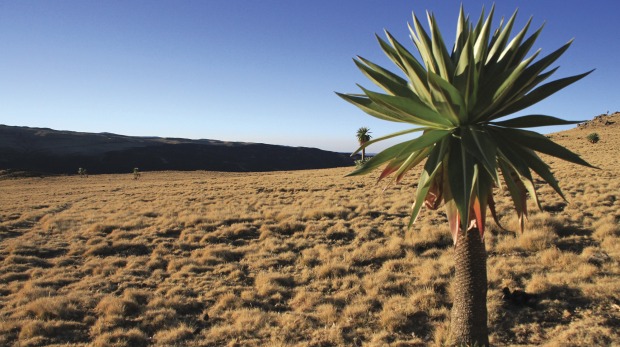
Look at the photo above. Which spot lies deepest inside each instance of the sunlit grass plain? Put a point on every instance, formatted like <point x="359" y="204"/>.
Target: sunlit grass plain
<point x="303" y="258"/>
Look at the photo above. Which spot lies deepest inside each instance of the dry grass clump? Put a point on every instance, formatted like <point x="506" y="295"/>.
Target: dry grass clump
<point x="295" y="259"/>
<point x="42" y="332"/>
<point x="175" y="336"/>
<point x="121" y="337"/>
<point x="53" y="307"/>
<point x="247" y="325"/>
<point x="272" y="283"/>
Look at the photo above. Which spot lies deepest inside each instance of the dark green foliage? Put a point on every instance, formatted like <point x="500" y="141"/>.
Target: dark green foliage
<point x="593" y="138"/>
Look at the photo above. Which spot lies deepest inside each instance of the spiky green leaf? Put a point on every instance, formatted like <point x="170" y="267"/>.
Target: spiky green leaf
<point x="541" y="93"/>
<point x="540" y="143"/>
<point x="383" y="78"/>
<point x="429" y="138"/>
<point x="412" y="109"/>
<point x="431" y="168"/>
<point x="372" y="108"/>
<point x="533" y="121"/>
<point x="398" y="133"/>
<point x="461" y="185"/>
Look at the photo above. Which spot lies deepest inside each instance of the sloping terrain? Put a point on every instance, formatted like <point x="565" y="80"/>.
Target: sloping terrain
<point x="63" y="152"/>
<point x="306" y="258"/>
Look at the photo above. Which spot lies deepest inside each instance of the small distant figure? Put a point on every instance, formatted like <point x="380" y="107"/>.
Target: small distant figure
<point x="82" y="172"/>
<point x="136" y="173"/>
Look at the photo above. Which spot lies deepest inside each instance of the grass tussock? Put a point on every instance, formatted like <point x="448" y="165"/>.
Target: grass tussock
<point x="295" y="259"/>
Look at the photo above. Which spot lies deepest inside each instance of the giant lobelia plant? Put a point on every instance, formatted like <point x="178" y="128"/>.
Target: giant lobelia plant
<point x="363" y="136"/>
<point x="456" y="98"/>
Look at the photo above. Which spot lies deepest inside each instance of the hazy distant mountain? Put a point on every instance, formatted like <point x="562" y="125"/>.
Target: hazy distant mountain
<point x="61" y="152"/>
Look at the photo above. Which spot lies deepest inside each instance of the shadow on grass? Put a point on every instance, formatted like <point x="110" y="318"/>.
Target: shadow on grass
<point x="565" y="231"/>
<point x="563" y="296"/>
<point x="120" y="249"/>
<point x="418" y="324"/>
<point x="555" y="208"/>
<point x="573" y="239"/>
<point x="553" y="308"/>
<point x="5" y="233"/>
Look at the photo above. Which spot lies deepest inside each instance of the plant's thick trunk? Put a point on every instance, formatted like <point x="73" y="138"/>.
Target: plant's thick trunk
<point x="363" y="154"/>
<point x="468" y="326"/>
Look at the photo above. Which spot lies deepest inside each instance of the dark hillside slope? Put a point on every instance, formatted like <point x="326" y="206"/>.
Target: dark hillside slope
<point x="63" y="152"/>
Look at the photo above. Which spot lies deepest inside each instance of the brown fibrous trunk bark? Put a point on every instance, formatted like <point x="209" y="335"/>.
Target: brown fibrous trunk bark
<point x="468" y="325"/>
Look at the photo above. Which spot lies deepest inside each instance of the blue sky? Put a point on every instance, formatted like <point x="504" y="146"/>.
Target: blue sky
<point x="257" y="71"/>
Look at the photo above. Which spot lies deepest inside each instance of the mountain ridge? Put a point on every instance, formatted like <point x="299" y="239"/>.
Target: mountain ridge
<point x="50" y="151"/>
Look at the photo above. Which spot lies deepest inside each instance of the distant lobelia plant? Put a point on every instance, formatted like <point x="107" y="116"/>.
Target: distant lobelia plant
<point x="363" y="136"/>
<point x="456" y="98"/>
<point x="136" y="173"/>
<point x="82" y="172"/>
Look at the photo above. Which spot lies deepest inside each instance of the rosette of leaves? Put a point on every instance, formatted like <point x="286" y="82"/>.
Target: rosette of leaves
<point x="456" y="100"/>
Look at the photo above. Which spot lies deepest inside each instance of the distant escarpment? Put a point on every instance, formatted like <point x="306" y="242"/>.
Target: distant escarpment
<point x="63" y="152"/>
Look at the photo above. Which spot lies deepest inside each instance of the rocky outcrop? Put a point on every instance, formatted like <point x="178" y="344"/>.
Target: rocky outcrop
<point x="601" y="120"/>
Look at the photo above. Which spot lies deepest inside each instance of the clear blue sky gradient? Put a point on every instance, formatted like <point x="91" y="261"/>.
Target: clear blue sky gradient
<point x="256" y="71"/>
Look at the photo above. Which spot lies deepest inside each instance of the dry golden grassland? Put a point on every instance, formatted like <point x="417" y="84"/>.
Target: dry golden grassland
<point x="306" y="258"/>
